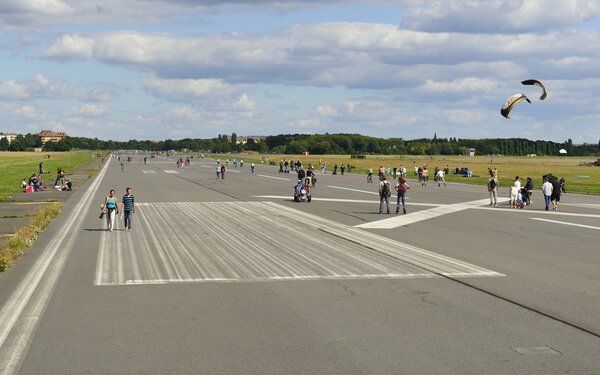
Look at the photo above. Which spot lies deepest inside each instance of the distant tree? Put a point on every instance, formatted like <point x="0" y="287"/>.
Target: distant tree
<point x="4" y="144"/>
<point x="17" y="144"/>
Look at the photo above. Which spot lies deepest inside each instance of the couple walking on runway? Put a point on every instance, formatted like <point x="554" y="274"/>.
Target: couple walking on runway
<point x="110" y="209"/>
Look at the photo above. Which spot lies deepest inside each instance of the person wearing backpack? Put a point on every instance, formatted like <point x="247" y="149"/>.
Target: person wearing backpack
<point x="401" y="188"/>
<point x="385" y="191"/>
<point x="492" y="186"/>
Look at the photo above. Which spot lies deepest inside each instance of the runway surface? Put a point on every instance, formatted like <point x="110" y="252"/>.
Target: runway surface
<point x="232" y="276"/>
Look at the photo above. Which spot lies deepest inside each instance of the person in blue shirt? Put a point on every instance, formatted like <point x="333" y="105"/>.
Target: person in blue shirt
<point x="111" y="209"/>
<point x="128" y="207"/>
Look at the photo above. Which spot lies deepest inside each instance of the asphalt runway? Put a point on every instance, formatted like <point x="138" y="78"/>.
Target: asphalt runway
<point x="231" y="276"/>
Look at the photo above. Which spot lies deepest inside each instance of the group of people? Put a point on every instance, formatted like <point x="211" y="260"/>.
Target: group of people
<point x="35" y="182"/>
<point x="521" y="196"/>
<point x="110" y="209"/>
<point x="552" y="188"/>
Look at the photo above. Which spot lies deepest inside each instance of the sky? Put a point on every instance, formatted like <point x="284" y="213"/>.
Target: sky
<point x="173" y="69"/>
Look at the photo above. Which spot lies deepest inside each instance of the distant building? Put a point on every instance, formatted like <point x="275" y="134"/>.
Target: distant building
<point x="243" y="139"/>
<point x="50" y="136"/>
<point x="10" y="137"/>
<point x="470" y="152"/>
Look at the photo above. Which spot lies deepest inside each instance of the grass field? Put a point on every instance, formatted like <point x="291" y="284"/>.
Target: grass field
<point x="14" y="166"/>
<point x="580" y="178"/>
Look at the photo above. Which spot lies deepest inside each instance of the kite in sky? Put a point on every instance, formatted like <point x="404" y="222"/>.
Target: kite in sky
<point x="511" y="102"/>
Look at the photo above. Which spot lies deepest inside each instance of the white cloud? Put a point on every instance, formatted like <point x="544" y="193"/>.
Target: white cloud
<point x="87" y="110"/>
<point x="99" y="93"/>
<point x="70" y="47"/>
<point x="327" y="111"/>
<point x="355" y="55"/>
<point x="499" y="16"/>
<point x="187" y="89"/>
<point x="185" y="114"/>
<point x="244" y="103"/>
<point x="38" y="87"/>
<point x="11" y="90"/>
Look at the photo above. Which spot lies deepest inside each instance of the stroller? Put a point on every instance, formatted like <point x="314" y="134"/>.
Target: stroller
<point x="524" y="201"/>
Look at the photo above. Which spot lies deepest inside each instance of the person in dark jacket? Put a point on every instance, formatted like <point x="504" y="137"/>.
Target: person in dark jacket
<point x="555" y="197"/>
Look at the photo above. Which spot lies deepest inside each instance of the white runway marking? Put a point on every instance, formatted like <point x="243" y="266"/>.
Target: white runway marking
<point x="149" y="172"/>
<point x="370" y="201"/>
<point x="274" y="178"/>
<point x="251" y="241"/>
<point x="375" y="190"/>
<point x="170" y="171"/>
<point x="566" y="223"/>
<point x="536" y="212"/>
<point x="415" y="217"/>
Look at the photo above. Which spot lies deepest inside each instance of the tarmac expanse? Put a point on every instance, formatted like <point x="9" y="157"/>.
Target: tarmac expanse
<point x="231" y="276"/>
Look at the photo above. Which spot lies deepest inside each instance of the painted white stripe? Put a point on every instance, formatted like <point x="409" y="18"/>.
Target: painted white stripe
<point x="243" y="242"/>
<point x="170" y="171"/>
<point x="536" y="212"/>
<point x="566" y="223"/>
<point x="274" y="178"/>
<point x="149" y="172"/>
<point x="290" y="278"/>
<point x="23" y="310"/>
<point x="357" y="190"/>
<point x="371" y="201"/>
<point x="418" y="216"/>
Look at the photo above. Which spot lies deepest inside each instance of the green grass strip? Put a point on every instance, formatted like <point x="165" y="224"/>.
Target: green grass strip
<point x="25" y="237"/>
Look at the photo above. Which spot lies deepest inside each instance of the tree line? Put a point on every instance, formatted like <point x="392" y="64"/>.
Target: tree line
<point x="317" y="144"/>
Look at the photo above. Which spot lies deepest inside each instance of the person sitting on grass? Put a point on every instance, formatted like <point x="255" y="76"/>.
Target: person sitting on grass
<point x="24" y="184"/>
<point x="34" y="181"/>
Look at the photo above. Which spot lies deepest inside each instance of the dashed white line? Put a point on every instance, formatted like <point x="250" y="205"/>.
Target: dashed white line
<point x="566" y="223"/>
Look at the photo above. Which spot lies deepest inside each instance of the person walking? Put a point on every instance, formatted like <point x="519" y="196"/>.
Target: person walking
<point x="440" y="178"/>
<point x="492" y="186"/>
<point x="252" y="166"/>
<point x="401" y="188"/>
<point x="547" y="190"/>
<point x="128" y="208"/>
<point x="556" y="190"/>
<point x="385" y="192"/>
<point x="424" y="176"/>
<point x="529" y="188"/>
<point x="562" y="182"/>
<point x="111" y="209"/>
<point x="223" y="169"/>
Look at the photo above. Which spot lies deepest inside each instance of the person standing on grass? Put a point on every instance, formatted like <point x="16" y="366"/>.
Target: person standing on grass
<point x="111" y="209"/>
<point x="128" y="208"/>
<point x="401" y="188"/>
<point x="547" y="190"/>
